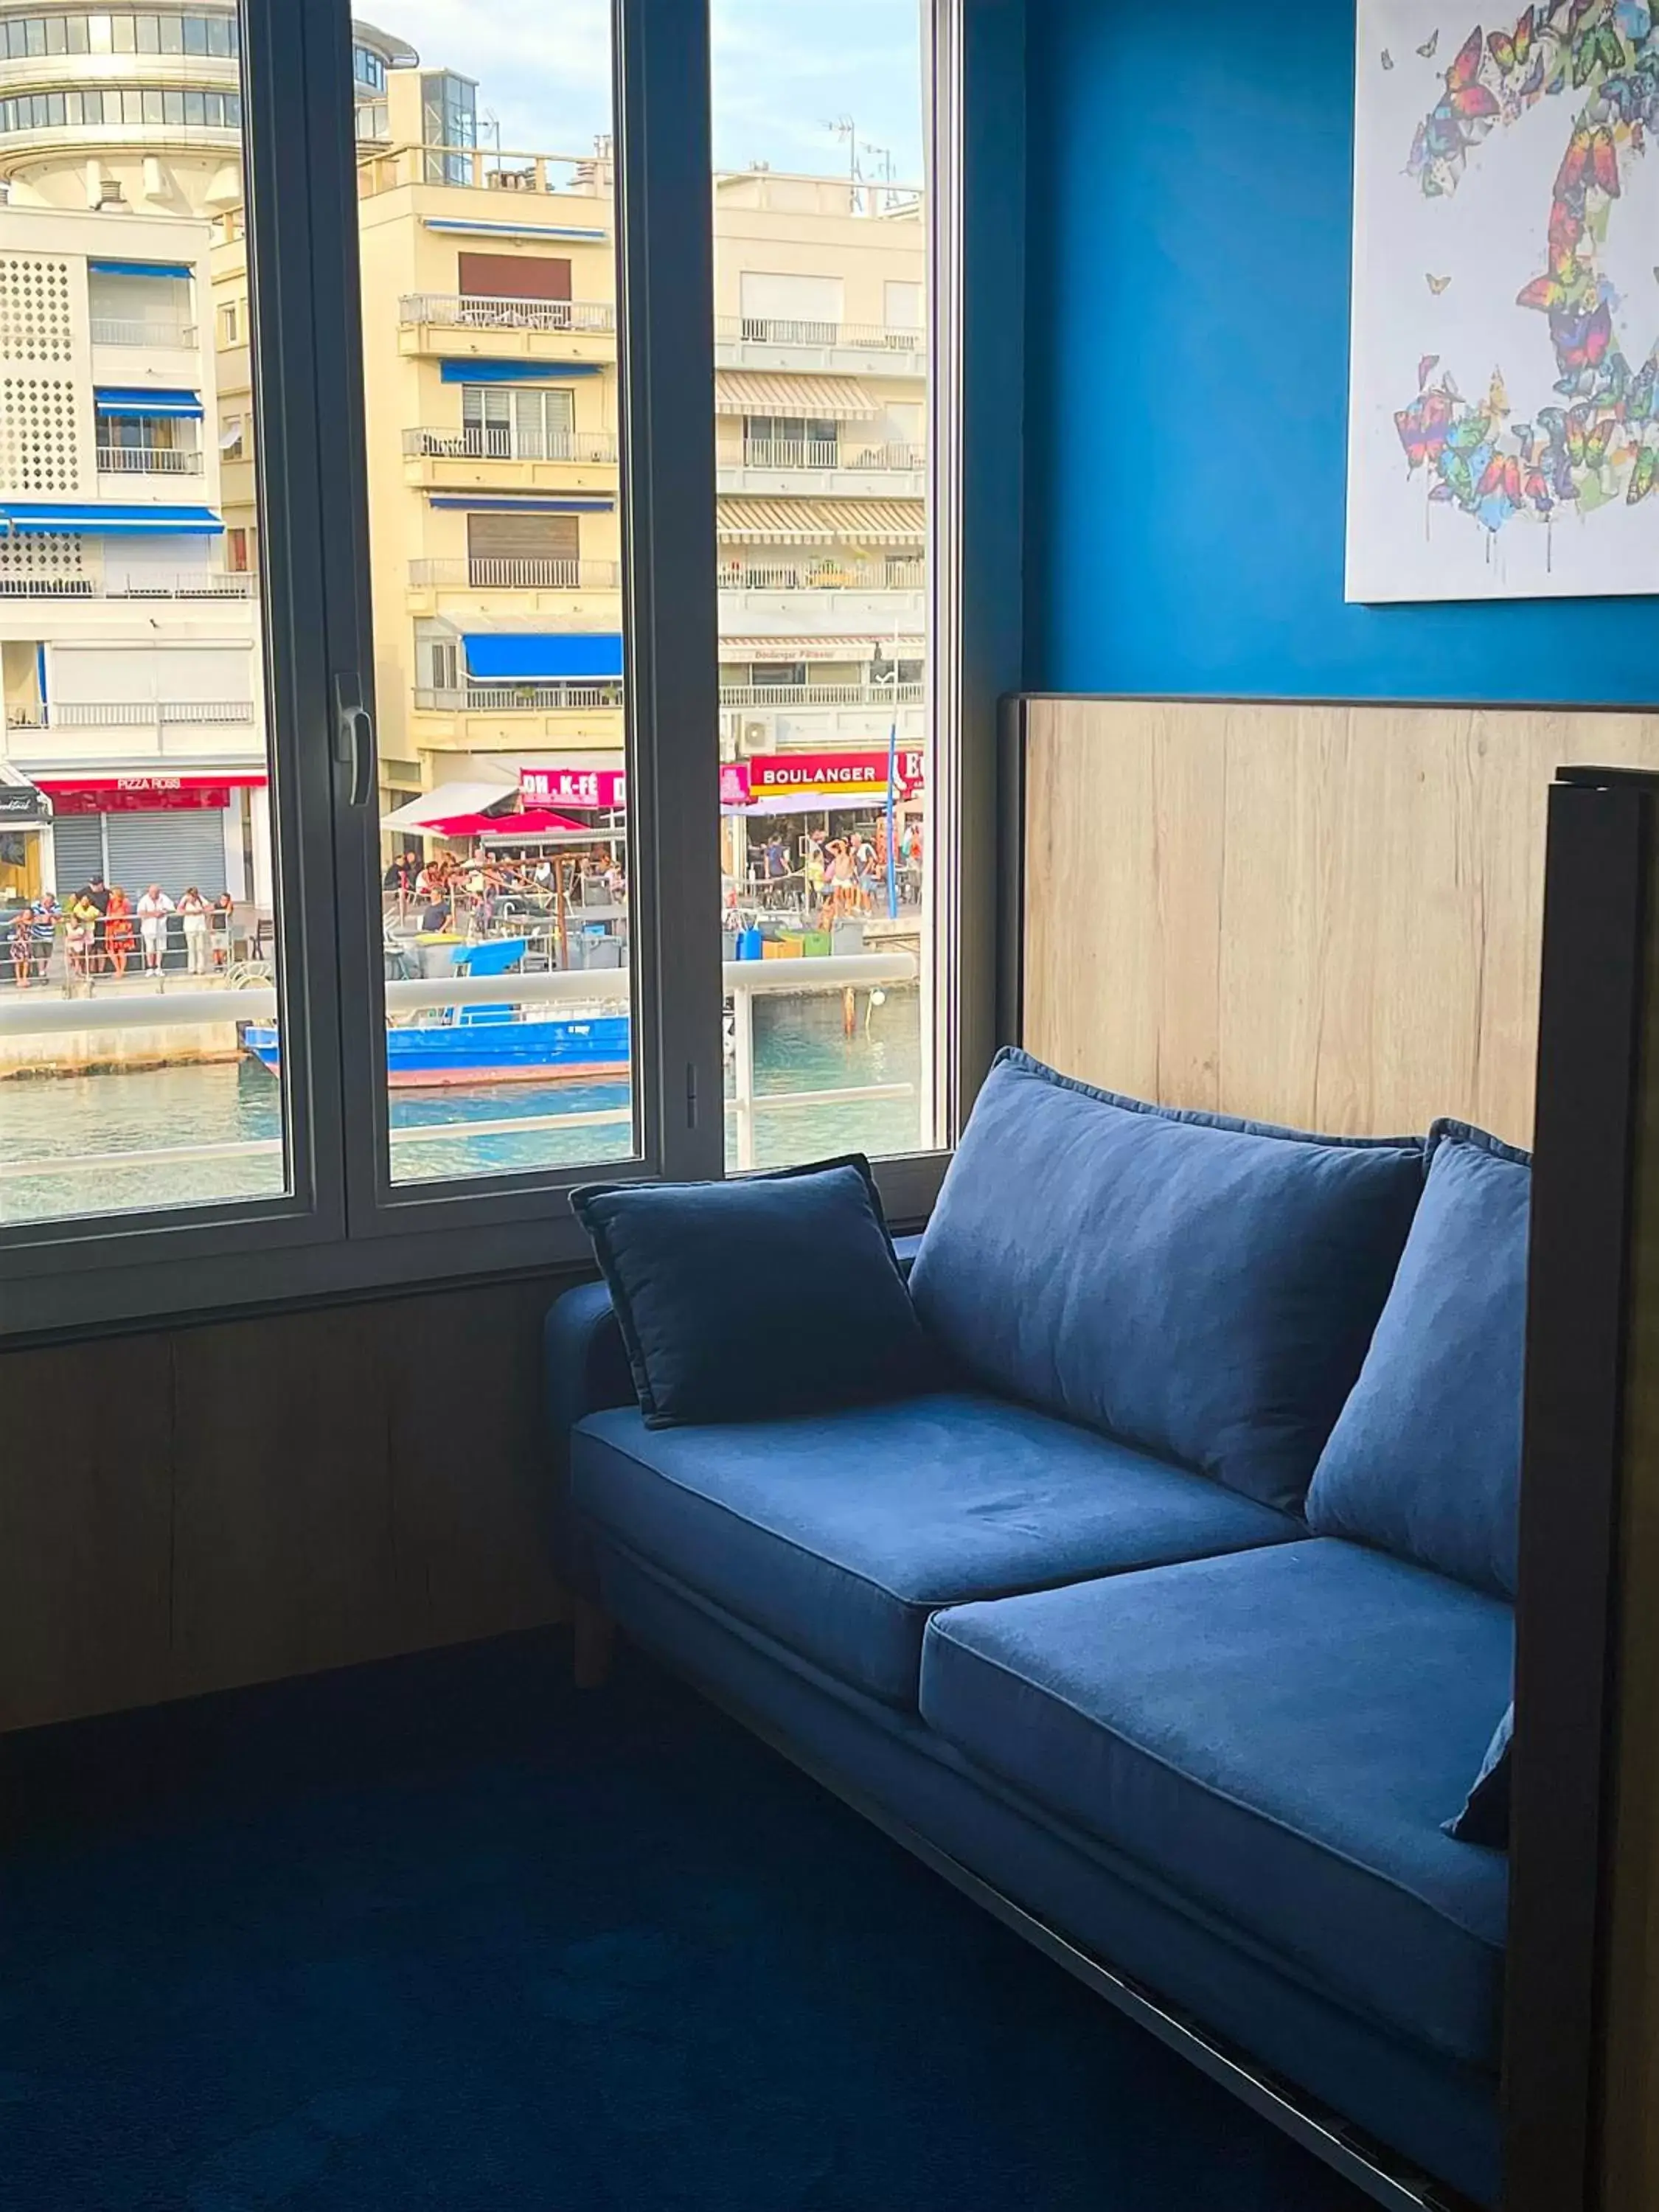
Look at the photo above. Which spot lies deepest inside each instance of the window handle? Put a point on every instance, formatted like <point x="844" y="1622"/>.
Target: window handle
<point x="354" y="737"/>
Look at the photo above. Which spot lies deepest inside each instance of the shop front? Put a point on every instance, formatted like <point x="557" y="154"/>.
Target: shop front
<point x="788" y="818"/>
<point x="206" y="830"/>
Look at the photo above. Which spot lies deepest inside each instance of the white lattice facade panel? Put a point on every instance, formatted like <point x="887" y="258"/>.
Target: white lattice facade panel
<point x="56" y="557"/>
<point x="40" y="435"/>
<point x="37" y="321"/>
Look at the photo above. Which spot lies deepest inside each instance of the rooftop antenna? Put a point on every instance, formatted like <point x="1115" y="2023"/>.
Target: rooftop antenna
<point x="845" y="129"/>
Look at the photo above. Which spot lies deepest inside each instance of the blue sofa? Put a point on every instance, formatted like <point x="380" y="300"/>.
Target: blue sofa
<point x="1073" y="1614"/>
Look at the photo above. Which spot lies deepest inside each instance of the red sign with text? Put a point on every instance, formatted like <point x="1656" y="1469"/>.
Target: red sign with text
<point x="603" y="787"/>
<point x="815" y="777"/>
<point x="144" y="794"/>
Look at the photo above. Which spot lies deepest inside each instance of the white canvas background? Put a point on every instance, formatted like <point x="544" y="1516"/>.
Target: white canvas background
<point x="1490" y="238"/>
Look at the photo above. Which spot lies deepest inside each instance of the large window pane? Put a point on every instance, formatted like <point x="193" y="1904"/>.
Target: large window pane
<point x="489" y="251"/>
<point x="139" y="1067"/>
<point x="823" y="368"/>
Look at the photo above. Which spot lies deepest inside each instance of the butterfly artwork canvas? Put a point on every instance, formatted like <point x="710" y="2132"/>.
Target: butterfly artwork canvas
<point x="1503" y="413"/>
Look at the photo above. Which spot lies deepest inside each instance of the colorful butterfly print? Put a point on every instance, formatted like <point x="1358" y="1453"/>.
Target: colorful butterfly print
<point x="1426" y="368"/>
<point x="1422" y="427"/>
<point x="1469" y="435"/>
<point x="1600" y="49"/>
<point x="1640" y="400"/>
<point x="1430" y="47"/>
<point x="1567" y="229"/>
<point x="1511" y="50"/>
<point x="1438" y="284"/>
<point x="1502" y="479"/>
<point x="1582" y="340"/>
<point x="1538" y="491"/>
<point x="1466" y="96"/>
<point x="1635" y="20"/>
<point x="1644" y="477"/>
<point x="1534" y="84"/>
<point x="1596" y="441"/>
<point x="1497" y="398"/>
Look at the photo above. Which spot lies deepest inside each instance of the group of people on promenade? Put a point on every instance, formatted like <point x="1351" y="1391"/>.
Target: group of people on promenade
<point x="467" y="894"/>
<point x="839" y="878"/>
<point x="104" y="930"/>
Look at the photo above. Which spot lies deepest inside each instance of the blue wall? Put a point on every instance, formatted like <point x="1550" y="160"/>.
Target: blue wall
<point x="1189" y="173"/>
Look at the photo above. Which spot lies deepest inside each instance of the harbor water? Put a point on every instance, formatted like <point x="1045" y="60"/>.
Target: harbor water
<point x="100" y="1144"/>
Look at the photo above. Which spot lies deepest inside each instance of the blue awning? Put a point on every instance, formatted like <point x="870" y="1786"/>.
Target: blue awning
<point x="472" y="503"/>
<point x="91" y="519"/>
<point x="181" y="271"/>
<point x="515" y="372"/>
<point x="512" y="656"/>
<point x="139" y="399"/>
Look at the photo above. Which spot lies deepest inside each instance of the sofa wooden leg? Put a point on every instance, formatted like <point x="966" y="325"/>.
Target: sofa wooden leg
<point x="595" y="1644"/>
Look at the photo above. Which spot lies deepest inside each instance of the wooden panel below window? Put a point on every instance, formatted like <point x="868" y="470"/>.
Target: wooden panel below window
<point x="514" y="277"/>
<point x="1329" y="916"/>
<point x="205" y="1507"/>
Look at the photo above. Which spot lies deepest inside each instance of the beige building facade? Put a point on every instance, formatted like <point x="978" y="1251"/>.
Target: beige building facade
<point x="492" y="403"/>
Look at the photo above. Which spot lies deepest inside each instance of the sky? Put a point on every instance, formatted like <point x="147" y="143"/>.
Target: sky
<point x="784" y="71"/>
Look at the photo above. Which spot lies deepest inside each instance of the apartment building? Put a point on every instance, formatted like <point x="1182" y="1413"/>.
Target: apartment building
<point x="134" y="741"/>
<point x="492" y="398"/>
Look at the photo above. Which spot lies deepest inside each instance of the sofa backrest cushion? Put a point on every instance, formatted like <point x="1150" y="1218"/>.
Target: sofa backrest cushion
<point x="1425" y="1460"/>
<point x="1200" y="1287"/>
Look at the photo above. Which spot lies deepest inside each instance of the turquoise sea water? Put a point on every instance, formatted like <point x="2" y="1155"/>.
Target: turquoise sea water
<point x="70" y="1125"/>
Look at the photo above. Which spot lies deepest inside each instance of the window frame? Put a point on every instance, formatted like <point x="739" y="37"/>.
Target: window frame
<point x="346" y="1229"/>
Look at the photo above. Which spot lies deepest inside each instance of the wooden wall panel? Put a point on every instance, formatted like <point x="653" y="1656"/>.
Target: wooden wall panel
<point x="1324" y="915"/>
<point x="210" y="1506"/>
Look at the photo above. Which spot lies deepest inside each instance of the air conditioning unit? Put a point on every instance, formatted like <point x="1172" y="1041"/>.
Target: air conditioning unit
<point x="754" y="738"/>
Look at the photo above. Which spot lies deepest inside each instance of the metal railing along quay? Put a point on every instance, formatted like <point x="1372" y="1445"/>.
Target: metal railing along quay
<point x="476" y="311"/>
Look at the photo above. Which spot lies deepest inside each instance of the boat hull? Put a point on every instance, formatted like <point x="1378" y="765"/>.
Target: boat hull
<point x="439" y="1058"/>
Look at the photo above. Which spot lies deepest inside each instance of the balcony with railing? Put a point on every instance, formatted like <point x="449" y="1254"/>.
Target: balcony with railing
<point x="448" y="324"/>
<point x="529" y="698"/>
<point x="130" y="713"/>
<point x="75" y="733"/>
<point x="202" y="584"/>
<point x="502" y="574"/>
<point x="508" y="457"/>
<point x="782" y="342"/>
<point x="823" y="695"/>
<point x="148" y="461"/>
<point x="825" y="574"/>
<point x="163" y="337"/>
<point x="833" y="467"/>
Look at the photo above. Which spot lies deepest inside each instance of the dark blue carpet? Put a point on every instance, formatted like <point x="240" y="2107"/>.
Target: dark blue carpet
<point x="442" y="1933"/>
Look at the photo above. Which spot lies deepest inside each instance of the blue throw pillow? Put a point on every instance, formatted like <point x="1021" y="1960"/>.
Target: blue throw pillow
<point x="1200" y="1287"/>
<point x="745" y="1301"/>
<point x="1485" y="1818"/>
<point x="1425" y="1461"/>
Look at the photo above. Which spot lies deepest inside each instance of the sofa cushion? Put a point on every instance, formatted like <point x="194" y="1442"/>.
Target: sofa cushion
<point x="1203" y="1288"/>
<point x="1485" y="1818"/>
<point x="840" y="1534"/>
<point x="1279" y="1734"/>
<point x="778" y="1294"/>
<point x="1426" y="1458"/>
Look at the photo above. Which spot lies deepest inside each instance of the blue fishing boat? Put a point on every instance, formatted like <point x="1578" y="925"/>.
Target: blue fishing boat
<point x="491" y="1044"/>
<point x="435" y="1046"/>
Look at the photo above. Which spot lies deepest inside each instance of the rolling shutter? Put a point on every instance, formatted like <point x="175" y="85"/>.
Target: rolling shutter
<point x="514" y="277"/>
<point x="77" y="846"/>
<point x="522" y="537"/>
<point x="173" y="848"/>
